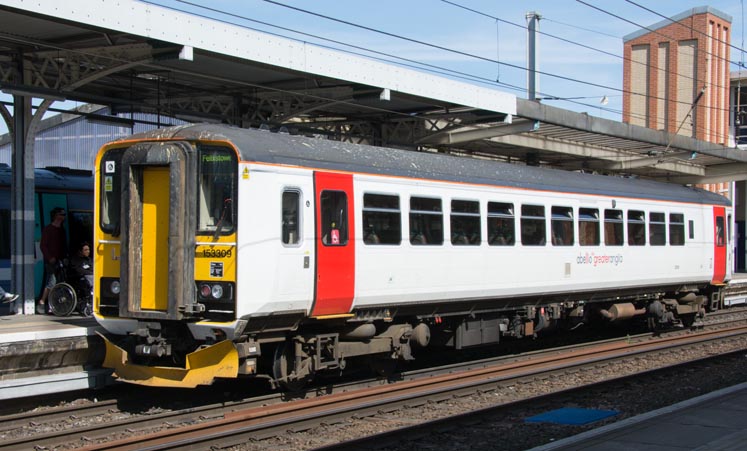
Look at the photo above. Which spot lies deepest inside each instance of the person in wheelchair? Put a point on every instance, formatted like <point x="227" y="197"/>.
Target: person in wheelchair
<point x="76" y="289"/>
<point x="81" y="267"/>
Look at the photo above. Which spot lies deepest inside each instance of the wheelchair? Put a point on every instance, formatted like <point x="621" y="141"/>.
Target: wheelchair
<point x="71" y="293"/>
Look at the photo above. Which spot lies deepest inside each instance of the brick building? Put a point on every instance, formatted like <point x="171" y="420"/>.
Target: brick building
<point x="676" y="77"/>
<point x="669" y="64"/>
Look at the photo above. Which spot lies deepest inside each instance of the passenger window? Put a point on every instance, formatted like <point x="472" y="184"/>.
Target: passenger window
<point x="501" y="228"/>
<point x="636" y="228"/>
<point x="465" y="223"/>
<point x="657" y="229"/>
<point x="382" y="219"/>
<point x="676" y="229"/>
<point x="334" y="209"/>
<point x="562" y="226"/>
<point x="691" y="229"/>
<point x="533" y="225"/>
<point x="588" y="227"/>
<point x="290" y="232"/>
<point x="720" y="234"/>
<point x="426" y="221"/>
<point x="613" y="227"/>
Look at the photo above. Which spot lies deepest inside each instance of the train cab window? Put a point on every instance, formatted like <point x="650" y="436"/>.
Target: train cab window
<point x="533" y="226"/>
<point x="334" y="218"/>
<point x="382" y="219"/>
<point x="501" y="227"/>
<point x="216" y="190"/>
<point x="588" y="227"/>
<point x="613" y="227"/>
<point x="562" y="226"/>
<point x="657" y="229"/>
<point x="111" y="191"/>
<point x="676" y="229"/>
<point x="636" y="228"/>
<point x="290" y="229"/>
<point x="426" y="221"/>
<point x="465" y="223"/>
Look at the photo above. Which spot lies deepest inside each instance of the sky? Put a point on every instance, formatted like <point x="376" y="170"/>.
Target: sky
<point x="475" y="40"/>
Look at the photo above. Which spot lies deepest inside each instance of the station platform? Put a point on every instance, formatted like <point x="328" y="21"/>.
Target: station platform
<point x="712" y="422"/>
<point x="41" y="354"/>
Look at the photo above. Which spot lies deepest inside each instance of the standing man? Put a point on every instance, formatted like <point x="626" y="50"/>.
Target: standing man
<point x="54" y="248"/>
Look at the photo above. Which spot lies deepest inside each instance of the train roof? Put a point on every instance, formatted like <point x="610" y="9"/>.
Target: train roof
<point x="54" y="178"/>
<point x="280" y="148"/>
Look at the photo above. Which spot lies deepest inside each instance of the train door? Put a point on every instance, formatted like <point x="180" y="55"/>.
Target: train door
<point x="296" y="239"/>
<point x="157" y="230"/>
<point x="335" y="248"/>
<point x="44" y="203"/>
<point x="719" y="244"/>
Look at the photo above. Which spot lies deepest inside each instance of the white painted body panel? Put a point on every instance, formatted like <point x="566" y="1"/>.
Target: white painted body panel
<point x="272" y="277"/>
<point x="404" y="274"/>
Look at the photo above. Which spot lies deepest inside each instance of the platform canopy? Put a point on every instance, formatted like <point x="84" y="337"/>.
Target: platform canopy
<point x="138" y="57"/>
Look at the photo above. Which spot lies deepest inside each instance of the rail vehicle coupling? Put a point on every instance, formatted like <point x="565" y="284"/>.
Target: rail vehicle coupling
<point x="149" y="358"/>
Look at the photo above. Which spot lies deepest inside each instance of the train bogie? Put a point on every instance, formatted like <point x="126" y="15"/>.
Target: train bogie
<point x="289" y="256"/>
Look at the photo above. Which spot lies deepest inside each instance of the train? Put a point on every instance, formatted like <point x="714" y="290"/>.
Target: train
<point x="71" y="189"/>
<point x="224" y="253"/>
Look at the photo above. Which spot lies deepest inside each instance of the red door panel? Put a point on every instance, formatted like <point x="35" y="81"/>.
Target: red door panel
<point x="719" y="245"/>
<point x="335" y="244"/>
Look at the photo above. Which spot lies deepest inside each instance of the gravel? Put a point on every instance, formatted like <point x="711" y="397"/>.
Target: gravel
<point x="506" y="429"/>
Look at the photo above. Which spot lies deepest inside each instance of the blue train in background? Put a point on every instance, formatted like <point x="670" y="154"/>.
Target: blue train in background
<point x="71" y="189"/>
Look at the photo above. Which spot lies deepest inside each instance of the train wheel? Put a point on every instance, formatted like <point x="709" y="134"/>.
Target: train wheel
<point x="283" y="369"/>
<point x="62" y="299"/>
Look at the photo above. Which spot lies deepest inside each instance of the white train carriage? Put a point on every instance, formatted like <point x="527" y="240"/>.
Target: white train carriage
<point x="311" y="253"/>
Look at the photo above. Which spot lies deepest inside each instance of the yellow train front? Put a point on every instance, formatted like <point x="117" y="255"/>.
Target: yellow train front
<point x="165" y="259"/>
<point x="222" y="252"/>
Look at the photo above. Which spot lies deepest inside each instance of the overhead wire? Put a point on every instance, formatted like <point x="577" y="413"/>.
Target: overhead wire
<point x="655" y="31"/>
<point x="469" y="76"/>
<point x="482" y="58"/>
<point x="433" y="68"/>
<point x="665" y="70"/>
<point x="690" y="27"/>
<point x="414" y="64"/>
<point x="652" y="30"/>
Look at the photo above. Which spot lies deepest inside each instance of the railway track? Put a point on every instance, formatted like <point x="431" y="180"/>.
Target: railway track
<point x="225" y="424"/>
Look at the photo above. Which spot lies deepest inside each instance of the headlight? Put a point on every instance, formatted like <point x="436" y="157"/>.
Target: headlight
<point x="114" y="287"/>
<point x="212" y="291"/>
